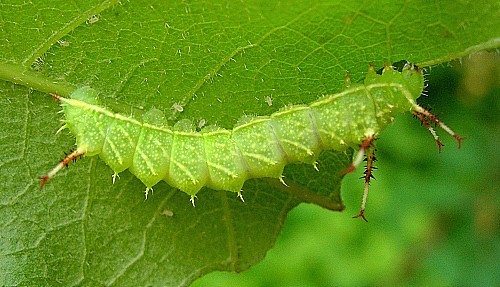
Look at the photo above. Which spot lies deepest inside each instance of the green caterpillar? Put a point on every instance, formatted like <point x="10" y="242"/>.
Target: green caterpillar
<point x="257" y="147"/>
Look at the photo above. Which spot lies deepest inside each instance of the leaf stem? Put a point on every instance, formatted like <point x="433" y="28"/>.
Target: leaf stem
<point x="21" y="75"/>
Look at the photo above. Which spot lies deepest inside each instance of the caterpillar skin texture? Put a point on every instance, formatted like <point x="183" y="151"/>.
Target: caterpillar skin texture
<point x="257" y="147"/>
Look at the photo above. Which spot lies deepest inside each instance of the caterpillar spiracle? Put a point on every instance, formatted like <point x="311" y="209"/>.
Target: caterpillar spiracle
<point x="256" y="147"/>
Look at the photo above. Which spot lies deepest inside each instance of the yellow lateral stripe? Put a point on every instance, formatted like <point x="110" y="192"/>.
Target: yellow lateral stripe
<point x="185" y="170"/>
<point x="260" y="157"/>
<point x="223" y="169"/>
<point x="146" y="160"/>
<point x="115" y="150"/>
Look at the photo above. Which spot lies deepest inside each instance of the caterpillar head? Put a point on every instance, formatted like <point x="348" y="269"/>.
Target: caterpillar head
<point x="410" y="83"/>
<point x="413" y="79"/>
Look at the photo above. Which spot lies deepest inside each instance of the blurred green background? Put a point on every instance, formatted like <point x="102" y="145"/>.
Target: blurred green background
<point x="433" y="218"/>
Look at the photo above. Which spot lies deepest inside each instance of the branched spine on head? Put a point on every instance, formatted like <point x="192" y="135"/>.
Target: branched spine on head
<point x="426" y="117"/>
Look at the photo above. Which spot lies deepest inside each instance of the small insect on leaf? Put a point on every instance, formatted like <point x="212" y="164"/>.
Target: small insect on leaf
<point x="268" y="100"/>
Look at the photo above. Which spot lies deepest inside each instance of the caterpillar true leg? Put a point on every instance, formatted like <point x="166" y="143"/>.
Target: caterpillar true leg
<point x="70" y="157"/>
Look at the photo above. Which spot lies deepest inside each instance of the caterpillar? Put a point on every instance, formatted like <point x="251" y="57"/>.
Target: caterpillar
<point x="256" y="147"/>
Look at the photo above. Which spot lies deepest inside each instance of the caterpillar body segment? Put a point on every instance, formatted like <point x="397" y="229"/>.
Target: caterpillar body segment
<point x="226" y="167"/>
<point x="151" y="161"/>
<point x="297" y="130"/>
<point x="257" y="147"/>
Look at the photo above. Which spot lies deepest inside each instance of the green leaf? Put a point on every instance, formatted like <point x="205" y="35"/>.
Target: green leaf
<point x="219" y="61"/>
